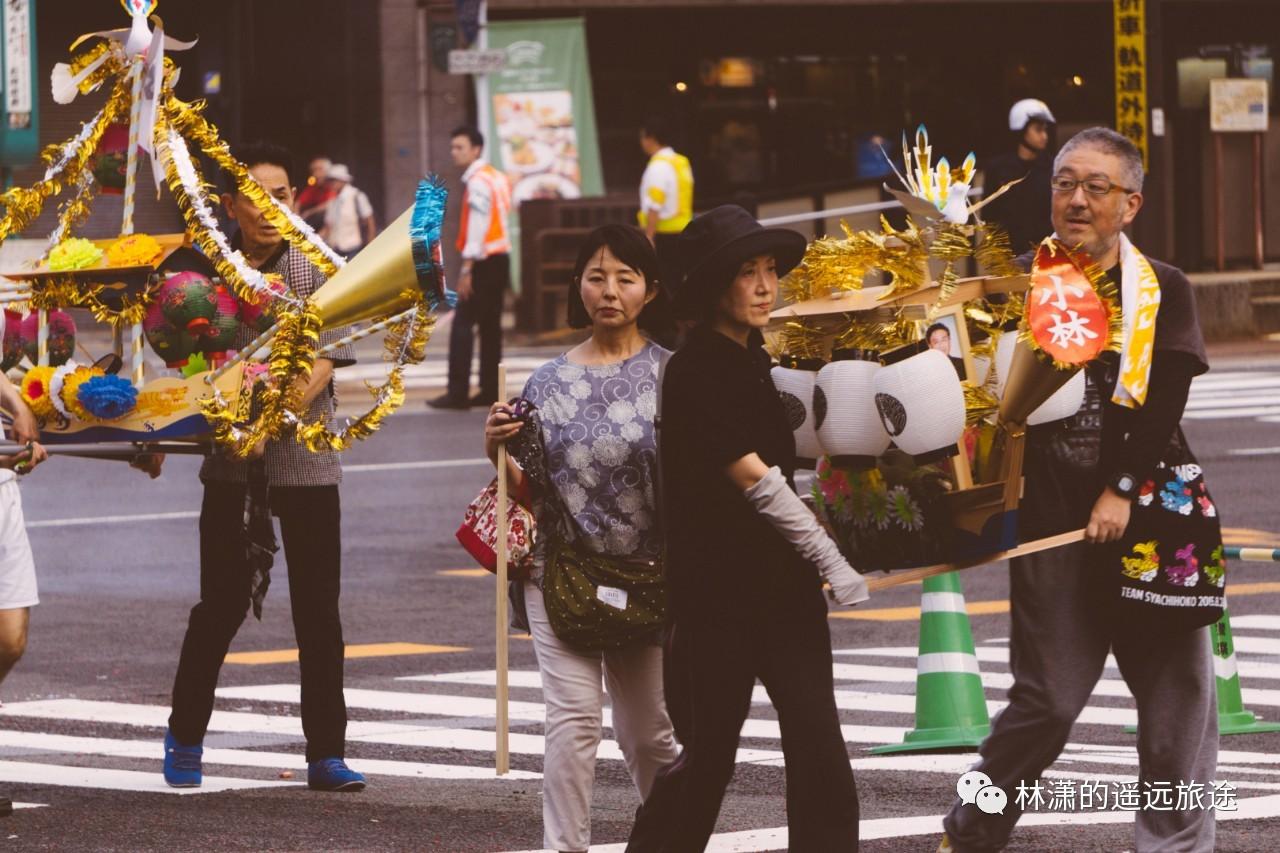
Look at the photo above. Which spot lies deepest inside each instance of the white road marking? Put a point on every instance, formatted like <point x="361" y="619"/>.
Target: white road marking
<point x="33" y="773"/>
<point x="394" y="733"/>
<point x="1257" y="621"/>
<point x="248" y="757"/>
<point x="760" y="840"/>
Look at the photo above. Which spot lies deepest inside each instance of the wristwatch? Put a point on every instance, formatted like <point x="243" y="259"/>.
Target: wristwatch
<point x="1125" y="485"/>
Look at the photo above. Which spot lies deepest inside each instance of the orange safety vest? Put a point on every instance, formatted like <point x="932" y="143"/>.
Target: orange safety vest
<point x="497" y="239"/>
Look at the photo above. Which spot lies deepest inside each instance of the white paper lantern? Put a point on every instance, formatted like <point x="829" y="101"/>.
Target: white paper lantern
<point x="1064" y="403"/>
<point x="921" y="404"/>
<point x="795" y="387"/>
<point x="849" y="427"/>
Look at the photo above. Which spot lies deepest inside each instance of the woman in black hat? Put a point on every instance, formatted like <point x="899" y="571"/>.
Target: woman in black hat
<point x="745" y="557"/>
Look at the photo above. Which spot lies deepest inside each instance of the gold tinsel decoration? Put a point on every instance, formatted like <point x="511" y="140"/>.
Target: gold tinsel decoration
<point x="994" y="254"/>
<point x="406" y="343"/>
<point x="980" y="404"/>
<point x="23" y="204"/>
<point x="801" y="338"/>
<point x="189" y="120"/>
<point x="952" y="243"/>
<point x="51" y="293"/>
<point x="877" y="335"/>
<point x="293" y="354"/>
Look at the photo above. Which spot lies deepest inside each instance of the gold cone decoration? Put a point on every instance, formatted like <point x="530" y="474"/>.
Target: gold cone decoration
<point x="384" y="277"/>
<point x="1032" y="380"/>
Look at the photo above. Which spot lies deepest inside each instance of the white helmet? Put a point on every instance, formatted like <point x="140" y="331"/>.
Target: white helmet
<point x="1028" y="109"/>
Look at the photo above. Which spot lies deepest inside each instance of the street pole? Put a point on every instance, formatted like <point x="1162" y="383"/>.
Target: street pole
<point x="1259" y="238"/>
<point x="482" y="80"/>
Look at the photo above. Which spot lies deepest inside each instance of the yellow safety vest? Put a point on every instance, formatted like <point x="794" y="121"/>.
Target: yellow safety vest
<point x="684" y="194"/>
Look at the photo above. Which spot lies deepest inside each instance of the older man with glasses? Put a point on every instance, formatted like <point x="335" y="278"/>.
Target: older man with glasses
<point x="1084" y="472"/>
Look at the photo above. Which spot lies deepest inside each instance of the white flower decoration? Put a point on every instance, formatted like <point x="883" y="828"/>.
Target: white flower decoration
<point x="559" y="408"/>
<point x="575" y="497"/>
<point x="621" y="411"/>
<point x="622" y="539"/>
<point x="569" y="372"/>
<point x="632" y="431"/>
<point x="647" y="405"/>
<point x="611" y="450"/>
<point x="580" y="389"/>
<point x="630" y="501"/>
<point x="578" y="456"/>
<point x="589" y="478"/>
<point x="607" y="370"/>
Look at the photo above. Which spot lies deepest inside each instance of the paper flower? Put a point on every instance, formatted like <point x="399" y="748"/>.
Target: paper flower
<point x="74" y="253"/>
<point x="55" y="388"/>
<point x="107" y="398"/>
<point x="35" y="390"/>
<point x="70" y="391"/>
<point x="197" y="363"/>
<point x="136" y="250"/>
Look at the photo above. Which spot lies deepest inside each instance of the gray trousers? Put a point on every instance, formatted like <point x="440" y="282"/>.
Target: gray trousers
<point x="1062" y="630"/>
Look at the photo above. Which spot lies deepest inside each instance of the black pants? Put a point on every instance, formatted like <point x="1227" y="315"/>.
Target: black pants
<point x="489" y="281"/>
<point x="714" y="668"/>
<point x="309" y="525"/>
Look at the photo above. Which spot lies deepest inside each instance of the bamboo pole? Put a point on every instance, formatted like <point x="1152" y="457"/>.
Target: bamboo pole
<point x="502" y="760"/>
<point x="909" y="575"/>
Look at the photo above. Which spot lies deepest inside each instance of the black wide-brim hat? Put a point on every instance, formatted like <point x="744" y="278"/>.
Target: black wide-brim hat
<point x="715" y="244"/>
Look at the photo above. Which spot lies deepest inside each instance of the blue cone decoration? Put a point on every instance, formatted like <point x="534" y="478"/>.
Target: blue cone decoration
<point x="424" y="233"/>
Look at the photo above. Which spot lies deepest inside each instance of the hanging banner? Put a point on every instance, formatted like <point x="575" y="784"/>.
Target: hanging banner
<point x="1131" y="72"/>
<point x="19" y="106"/>
<point x="543" y="120"/>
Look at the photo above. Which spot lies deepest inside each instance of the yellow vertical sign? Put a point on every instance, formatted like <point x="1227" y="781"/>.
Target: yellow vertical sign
<point x="1131" y="72"/>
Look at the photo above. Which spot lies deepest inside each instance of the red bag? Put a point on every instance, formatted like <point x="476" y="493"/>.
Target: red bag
<point x="479" y="532"/>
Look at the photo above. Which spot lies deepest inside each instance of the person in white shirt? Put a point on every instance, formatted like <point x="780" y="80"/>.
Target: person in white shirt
<point x="484" y="240"/>
<point x="18" y="592"/>
<point x="348" y="221"/>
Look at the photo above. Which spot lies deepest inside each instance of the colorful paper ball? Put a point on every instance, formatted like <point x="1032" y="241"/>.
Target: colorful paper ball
<point x="13" y="341"/>
<point x="62" y="337"/>
<point x="111" y="160"/>
<point x="35" y="391"/>
<point x="172" y="344"/>
<point x="221" y="335"/>
<point x="257" y="314"/>
<point x="107" y="398"/>
<point x="188" y="301"/>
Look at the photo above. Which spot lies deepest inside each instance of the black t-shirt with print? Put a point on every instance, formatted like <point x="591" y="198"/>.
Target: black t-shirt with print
<point x="724" y="561"/>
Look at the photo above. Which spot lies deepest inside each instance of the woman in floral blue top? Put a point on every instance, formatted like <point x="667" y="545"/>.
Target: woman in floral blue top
<point x="597" y="404"/>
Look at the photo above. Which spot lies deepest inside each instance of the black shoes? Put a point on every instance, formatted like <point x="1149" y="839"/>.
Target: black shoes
<point x="448" y="401"/>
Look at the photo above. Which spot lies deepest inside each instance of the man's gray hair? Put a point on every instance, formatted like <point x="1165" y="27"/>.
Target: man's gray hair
<point x="1109" y="142"/>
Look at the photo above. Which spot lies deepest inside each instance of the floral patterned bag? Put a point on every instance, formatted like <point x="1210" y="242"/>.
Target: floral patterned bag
<point x="479" y="532"/>
<point x="1172" y="571"/>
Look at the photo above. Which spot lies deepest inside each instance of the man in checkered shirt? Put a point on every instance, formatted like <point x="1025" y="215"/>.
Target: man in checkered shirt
<point x="302" y="490"/>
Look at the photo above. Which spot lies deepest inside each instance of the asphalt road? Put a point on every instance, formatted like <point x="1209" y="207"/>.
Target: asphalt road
<point x="117" y="554"/>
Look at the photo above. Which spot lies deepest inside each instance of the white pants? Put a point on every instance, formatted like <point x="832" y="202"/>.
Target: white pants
<point x="571" y="689"/>
<point x="17" y="568"/>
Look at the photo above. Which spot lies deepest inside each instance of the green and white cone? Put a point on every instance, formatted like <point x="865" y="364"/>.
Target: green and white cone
<point x="951" y="709"/>
<point x="1233" y="719"/>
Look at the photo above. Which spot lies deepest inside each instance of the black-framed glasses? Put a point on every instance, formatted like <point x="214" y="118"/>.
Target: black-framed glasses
<point x="1093" y="186"/>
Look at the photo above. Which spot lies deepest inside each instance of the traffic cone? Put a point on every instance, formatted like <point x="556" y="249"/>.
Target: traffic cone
<point x="951" y="709"/>
<point x="1233" y="719"/>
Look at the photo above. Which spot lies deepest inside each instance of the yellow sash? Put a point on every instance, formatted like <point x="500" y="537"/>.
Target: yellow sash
<point x="1140" y="292"/>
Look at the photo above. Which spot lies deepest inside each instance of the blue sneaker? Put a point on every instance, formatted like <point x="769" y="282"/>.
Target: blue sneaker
<point x="333" y="774"/>
<point x="182" y="764"/>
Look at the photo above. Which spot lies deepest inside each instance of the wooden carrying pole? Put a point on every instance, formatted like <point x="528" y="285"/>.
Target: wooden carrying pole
<point x="909" y="575"/>
<point x="502" y="757"/>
